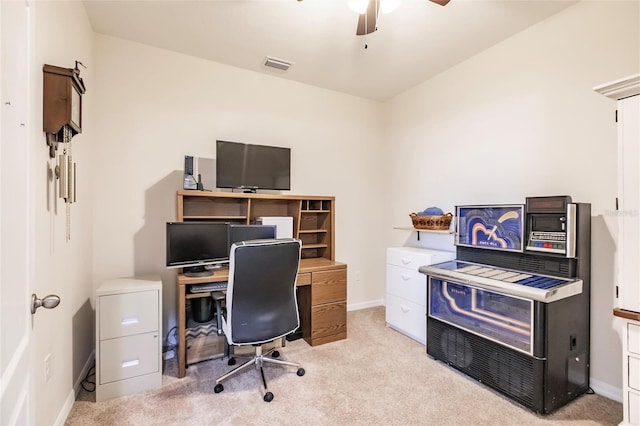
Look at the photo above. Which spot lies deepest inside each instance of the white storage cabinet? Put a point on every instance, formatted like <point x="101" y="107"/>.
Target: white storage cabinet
<point x="406" y="293"/>
<point x="626" y="92"/>
<point x="128" y="337"/>
<point x="631" y="350"/>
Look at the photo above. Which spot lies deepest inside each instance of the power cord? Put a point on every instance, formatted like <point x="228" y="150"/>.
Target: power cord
<point x="90" y="373"/>
<point x="171" y="340"/>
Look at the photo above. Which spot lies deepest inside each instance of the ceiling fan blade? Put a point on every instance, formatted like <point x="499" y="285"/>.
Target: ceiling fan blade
<point x="367" y="21"/>
<point x="441" y="2"/>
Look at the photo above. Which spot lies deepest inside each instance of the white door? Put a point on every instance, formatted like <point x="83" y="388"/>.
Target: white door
<point x="15" y="215"/>
<point x="629" y="224"/>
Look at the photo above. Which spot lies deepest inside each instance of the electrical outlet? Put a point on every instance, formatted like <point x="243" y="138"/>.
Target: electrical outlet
<point x="47" y="367"/>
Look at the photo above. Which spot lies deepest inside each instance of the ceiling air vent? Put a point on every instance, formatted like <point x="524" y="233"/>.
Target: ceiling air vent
<point x="277" y="63"/>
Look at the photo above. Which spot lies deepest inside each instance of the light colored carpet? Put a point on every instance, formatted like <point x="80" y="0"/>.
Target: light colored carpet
<point x="376" y="376"/>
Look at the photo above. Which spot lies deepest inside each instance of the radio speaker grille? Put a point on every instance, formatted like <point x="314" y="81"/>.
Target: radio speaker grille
<point x="505" y="370"/>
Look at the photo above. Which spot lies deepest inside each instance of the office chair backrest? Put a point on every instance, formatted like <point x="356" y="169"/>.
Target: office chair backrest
<point x="261" y="294"/>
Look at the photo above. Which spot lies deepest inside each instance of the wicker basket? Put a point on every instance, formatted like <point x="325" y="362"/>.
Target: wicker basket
<point x="434" y="223"/>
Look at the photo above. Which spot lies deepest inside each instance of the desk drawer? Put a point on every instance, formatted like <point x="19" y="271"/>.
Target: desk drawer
<point x="303" y="279"/>
<point x="127" y="357"/>
<point x="328" y="287"/>
<point x="128" y="313"/>
<point x="328" y="320"/>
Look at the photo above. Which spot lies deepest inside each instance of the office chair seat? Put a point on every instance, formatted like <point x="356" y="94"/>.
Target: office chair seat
<point x="261" y="302"/>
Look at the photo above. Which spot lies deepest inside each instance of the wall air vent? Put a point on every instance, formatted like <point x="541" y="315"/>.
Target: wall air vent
<point x="277" y="63"/>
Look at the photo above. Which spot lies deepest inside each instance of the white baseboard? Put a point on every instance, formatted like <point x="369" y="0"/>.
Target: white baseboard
<point x="66" y="409"/>
<point x="606" y="390"/>
<point x="71" y="398"/>
<point x="365" y="305"/>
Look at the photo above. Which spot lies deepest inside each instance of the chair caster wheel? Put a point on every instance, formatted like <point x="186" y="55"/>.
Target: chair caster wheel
<point x="300" y="372"/>
<point x="268" y="397"/>
<point x="219" y="388"/>
<point x="275" y="354"/>
<point x="232" y="361"/>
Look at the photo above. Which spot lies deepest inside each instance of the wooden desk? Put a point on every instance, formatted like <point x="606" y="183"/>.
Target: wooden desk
<point x="322" y="302"/>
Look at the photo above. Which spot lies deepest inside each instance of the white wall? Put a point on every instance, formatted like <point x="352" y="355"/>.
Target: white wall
<point x="154" y="106"/>
<point x="61" y="34"/>
<point x="521" y="119"/>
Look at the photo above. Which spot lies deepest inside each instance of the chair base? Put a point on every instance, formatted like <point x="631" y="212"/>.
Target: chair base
<point x="258" y="360"/>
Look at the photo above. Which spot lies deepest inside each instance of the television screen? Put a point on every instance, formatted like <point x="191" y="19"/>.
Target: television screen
<point x="193" y="245"/>
<point x="239" y="233"/>
<point x="252" y="167"/>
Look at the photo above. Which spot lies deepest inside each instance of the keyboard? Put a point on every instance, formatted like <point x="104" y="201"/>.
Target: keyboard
<point x="201" y="288"/>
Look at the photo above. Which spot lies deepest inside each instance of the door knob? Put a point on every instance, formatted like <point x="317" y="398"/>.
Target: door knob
<point x="47" y="302"/>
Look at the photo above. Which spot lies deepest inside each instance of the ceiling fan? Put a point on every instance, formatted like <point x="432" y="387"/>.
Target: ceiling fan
<point x="367" y="21"/>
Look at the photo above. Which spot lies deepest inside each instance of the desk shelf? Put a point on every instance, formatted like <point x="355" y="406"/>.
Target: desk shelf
<point x="313" y="216"/>
<point x="312" y="231"/>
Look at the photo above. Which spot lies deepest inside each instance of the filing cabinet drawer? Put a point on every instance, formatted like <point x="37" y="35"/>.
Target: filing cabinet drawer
<point x="634" y="373"/>
<point x="128" y="314"/>
<point x="127" y="357"/>
<point x="413" y="257"/>
<point x="407" y="283"/>
<point x="407" y="317"/>
<point x="634" y="338"/>
<point x="328" y="287"/>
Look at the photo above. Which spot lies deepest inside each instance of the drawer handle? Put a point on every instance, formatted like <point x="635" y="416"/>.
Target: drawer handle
<point x="405" y="309"/>
<point x="131" y="363"/>
<point x="406" y="277"/>
<point x="406" y="261"/>
<point x="129" y="320"/>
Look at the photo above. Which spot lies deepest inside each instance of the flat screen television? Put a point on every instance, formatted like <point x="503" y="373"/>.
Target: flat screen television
<point x="239" y="233"/>
<point x="195" y="245"/>
<point x="252" y="167"/>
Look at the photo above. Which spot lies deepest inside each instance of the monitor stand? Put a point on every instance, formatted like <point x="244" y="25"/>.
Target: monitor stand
<point x="196" y="271"/>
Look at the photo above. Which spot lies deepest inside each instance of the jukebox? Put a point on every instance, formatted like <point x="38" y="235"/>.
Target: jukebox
<point x="512" y="310"/>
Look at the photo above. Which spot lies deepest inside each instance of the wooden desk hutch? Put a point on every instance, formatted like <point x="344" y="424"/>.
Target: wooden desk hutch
<point x="322" y="282"/>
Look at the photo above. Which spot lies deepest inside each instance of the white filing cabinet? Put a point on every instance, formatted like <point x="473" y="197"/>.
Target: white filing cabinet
<point x="406" y="294"/>
<point x="128" y="337"/>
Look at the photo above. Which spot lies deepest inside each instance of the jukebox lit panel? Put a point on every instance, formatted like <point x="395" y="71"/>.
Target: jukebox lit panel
<point x="505" y="319"/>
<point x="497" y="227"/>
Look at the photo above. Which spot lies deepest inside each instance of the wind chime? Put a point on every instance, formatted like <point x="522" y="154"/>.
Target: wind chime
<point x="62" y="120"/>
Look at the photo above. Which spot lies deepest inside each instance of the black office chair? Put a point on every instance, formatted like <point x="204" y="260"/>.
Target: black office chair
<point x="261" y="301"/>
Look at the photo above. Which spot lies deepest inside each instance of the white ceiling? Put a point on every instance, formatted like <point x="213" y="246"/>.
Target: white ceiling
<point x="412" y="44"/>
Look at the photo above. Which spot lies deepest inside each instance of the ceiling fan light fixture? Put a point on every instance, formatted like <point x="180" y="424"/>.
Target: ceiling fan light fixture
<point x="358" y="6"/>
<point x="386" y="6"/>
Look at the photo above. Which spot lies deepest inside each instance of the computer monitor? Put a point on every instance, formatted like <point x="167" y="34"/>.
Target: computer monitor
<point x="194" y="245"/>
<point x="239" y="233"/>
